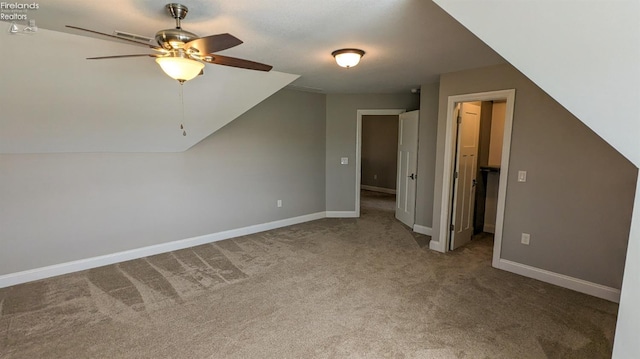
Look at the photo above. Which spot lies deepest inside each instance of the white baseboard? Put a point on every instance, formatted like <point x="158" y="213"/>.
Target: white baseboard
<point x="561" y="280"/>
<point x="436" y="246"/>
<point x="88" y="263"/>
<point x="422" y="230"/>
<point x="378" y="189"/>
<point x="342" y="214"/>
<point x="489" y="228"/>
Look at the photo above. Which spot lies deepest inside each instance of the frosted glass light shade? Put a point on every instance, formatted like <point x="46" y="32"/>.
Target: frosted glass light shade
<point x="179" y="68"/>
<point x="348" y="57"/>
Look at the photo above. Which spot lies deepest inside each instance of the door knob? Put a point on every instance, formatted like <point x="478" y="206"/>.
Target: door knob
<point x="413" y="176"/>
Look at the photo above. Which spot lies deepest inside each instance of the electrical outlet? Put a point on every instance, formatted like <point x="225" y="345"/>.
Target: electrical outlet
<point x="279" y="203"/>
<point x="375" y="177"/>
<point x="526" y="237"/>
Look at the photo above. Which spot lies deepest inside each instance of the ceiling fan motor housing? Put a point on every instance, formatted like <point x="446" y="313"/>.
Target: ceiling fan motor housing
<point x="177" y="46"/>
<point x="174" y="38"/>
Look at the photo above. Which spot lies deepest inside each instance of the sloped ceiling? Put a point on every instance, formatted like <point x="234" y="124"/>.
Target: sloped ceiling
<point x="53" y="100"/>
<point x="593" y="59"/>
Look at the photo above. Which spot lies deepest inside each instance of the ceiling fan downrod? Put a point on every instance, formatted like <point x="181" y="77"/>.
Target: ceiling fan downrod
<point x="178" y="12"/>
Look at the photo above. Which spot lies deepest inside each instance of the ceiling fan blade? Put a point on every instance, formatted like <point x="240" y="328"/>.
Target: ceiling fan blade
<point x="235" y="62"/>
<point x="116" y="37"/>
<point x="213" y="43"/>
<point x="121" y="56"/>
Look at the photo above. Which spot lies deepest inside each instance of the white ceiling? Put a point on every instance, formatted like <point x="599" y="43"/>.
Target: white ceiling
<point x="407" y="42"/>
<point x="53" y="100"/>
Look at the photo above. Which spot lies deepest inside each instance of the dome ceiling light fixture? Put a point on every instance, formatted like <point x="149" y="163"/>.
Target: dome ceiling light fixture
<point x="180" y="68"/>
<point x="348" y="57"/>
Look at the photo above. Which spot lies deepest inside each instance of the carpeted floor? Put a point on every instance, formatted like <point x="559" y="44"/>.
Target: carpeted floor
<point x="332" y="288"/>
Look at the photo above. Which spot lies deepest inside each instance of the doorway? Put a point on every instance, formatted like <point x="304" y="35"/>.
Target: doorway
<point x="480" y="132"/>
<point x="379" y="153"/>
<point x="379" y="163"/>
<point x="451" y="133"/>
<point x="360" y="114"/>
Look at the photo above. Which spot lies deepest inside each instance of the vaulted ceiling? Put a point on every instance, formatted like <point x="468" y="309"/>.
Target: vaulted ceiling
<point x="53" y="100"/>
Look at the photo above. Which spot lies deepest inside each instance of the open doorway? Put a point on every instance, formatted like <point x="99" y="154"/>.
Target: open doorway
<point x="479" y="139"/>
<point x="379" y="162"/>
<point x="379" y="153"/>
<point x="360" y="115"/>
<point x="442" y="244"/>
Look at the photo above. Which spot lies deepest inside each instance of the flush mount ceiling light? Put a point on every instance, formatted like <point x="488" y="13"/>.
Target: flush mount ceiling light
<point x="348" y="57"/>
<point x="180" y="68"/>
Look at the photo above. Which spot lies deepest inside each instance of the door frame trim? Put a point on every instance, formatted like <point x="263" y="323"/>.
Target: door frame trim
<point x="359" y="114"/>
<point x="442" y="245"/>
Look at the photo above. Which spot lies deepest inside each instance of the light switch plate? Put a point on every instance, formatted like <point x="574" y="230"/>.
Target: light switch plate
<point x="344" y="161"/>
<point x="522" y="176"/>
<point x="525" y="239"/>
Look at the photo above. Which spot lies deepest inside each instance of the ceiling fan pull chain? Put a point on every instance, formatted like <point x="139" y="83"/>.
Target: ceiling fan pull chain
<point x="184" y="132"/>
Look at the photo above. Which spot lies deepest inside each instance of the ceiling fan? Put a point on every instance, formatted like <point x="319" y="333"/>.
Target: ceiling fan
<point x="182" y="54"/>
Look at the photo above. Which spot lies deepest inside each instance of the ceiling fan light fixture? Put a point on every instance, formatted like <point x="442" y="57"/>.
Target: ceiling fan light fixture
<point x="348" y="57"/>
<point x="180" y="68"/>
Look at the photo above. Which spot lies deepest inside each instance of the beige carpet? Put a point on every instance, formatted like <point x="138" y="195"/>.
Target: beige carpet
<point x="333" y="288"/>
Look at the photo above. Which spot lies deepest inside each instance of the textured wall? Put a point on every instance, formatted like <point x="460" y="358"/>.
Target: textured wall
<point x="56" y="208"/>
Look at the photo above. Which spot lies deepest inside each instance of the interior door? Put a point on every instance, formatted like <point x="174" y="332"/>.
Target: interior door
<point x="407" y="164"/>
<point x="465" y="174"/>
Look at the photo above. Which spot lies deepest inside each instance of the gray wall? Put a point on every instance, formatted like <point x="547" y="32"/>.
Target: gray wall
<point x="57" y="208"/>
<point x="577" y="201"/>
<point x="379" y="151"/>
<point x="341" y="141"/>
<point x="484" y="140"/>
<point x="486" y="114"/>
<point x="429" y="94"/>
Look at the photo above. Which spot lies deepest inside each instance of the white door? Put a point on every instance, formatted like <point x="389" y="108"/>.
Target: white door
<point x="407" y="164"/>
<point x="464" y="189"/>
